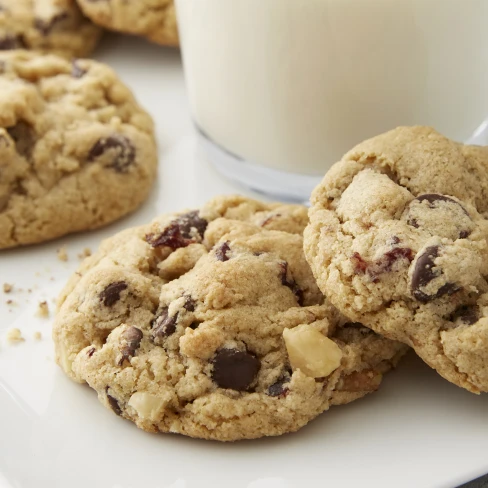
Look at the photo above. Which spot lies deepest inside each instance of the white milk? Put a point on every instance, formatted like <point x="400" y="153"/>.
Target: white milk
<point x="293" y="84"/>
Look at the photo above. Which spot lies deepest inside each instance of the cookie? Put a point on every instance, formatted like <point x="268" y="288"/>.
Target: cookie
<point x="397" y="241"/>
<point x="76" y="150"/>
<point x="153" y="19"/>
<point x="48" y="26"/>
<point x="212" y="327"/>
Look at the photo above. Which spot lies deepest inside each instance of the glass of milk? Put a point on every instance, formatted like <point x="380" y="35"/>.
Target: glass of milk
<point x="280" y="89"/>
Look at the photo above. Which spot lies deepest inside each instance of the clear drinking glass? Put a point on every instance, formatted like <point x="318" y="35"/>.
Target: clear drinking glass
<point x="280" y="89"/>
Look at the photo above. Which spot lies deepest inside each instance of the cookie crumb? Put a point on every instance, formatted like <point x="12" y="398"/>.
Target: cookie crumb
<point x="10" y="302"/>
<point x="14" y="335"/>
<point x="37" y="336"/>
<point x="43" y="310"/>
<point x="7" y="287"/>
<point x="85" y="253"/>
<point x="62" y="254"/>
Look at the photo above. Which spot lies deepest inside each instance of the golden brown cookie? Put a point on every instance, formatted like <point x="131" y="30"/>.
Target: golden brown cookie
<point x="76" y="150"/>
<point x="397" y="241"/>
<point x="213" y="327"/>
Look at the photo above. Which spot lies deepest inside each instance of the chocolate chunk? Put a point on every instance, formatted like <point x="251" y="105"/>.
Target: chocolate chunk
<point x="90" y="352"/>
<point x="111" y="294"/>
<point x="191" y="224"/>
<point x="424" y="273"/>
<point x="45" y="26"/>
<point x="235" y="369"/>
<point x="432" y="198"/>
<point x="114" y="404"/>
<point x="189" y="304"/>
<point x="11" y="42"/>
<point x="194" y="325"/>
<point x="123" y="153"/>
<point x="466" y="314"/>
<point x="132" y="338"/>
<point x="181" y="232"/>
<point x="76" y="70"/>
<point x="222" y="250"/>
<point x="164" y="325"/>
<point x="279" y="389"/>
<point x="291" y="283"/>
<point x="24" y="137"/>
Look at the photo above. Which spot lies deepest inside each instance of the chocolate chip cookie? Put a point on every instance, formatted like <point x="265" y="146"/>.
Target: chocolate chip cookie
<point x="48" y="26"/>
<point x="152" y="19"/>
<point x="213" y="327"/>
<point x="76" y="150"/>
<point x="397" y="241"/>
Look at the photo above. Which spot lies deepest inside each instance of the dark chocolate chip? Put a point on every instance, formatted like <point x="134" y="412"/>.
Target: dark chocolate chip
<point x="194" y="325"/>
<point x="395" y="240"/>
<point x="466" y="314"/>
<point x="114" y="404"/>
<point x="432" y="198"/>
<point x="111" y="294"/>
<point x="235" y="369"/>
<point x="90" y="352"/>
<point x="76" y="70"/>
<point x="24" y="137"/>
<point x="46" y="26"/>
<point x="122" y="150"/>
<point x="279" y="389"/>
<point x="222" y="250"/>
<point x="191" y="222"/>
<point x="189" y="304"/>
<point x="464" y="233"/>
<point x="413" y="223"/>
<point x="164" y="325"/>
<point x="11" y="42"/>
<point x="290" y="283"/>
<point x="132" y="338"/>
<point x="424" y="273"/>
<point x="181" y="232"/>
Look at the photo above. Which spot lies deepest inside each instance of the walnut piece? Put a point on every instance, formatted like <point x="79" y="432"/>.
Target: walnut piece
<point x="311" y="352"/>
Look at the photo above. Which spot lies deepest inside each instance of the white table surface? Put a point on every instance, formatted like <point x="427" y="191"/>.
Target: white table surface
<point x="417" y="431"/>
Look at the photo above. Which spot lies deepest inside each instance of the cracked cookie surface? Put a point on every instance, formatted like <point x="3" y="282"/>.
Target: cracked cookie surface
<point x="48" y="26"/>
<point x="76" y="150"/>
<point x="397" y="241"/>
<point x="153" y="19"/>
<point x="209" y="323"/>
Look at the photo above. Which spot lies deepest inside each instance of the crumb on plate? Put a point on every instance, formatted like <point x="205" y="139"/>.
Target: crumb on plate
<point x="14" y="335"/>
<point x="43" y="309"/>
<point x="86" y="252"/>
<point x="37" y="335"/>
<point x="7" y="287"/>
<point x="62" y="254"/>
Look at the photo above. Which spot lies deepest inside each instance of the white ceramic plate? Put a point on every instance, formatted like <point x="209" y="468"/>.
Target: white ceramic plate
<point x="417" y="431"/>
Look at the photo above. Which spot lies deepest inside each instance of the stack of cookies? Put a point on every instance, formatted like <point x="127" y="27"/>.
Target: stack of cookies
<point x="243" y="319"/>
